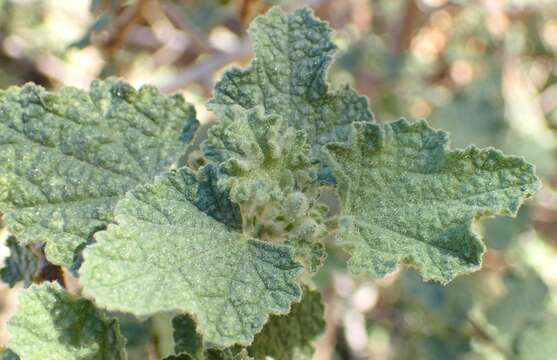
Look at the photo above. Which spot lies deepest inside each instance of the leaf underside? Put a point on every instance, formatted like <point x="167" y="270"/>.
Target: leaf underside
<point x="164" y="254"/>
<point x="67" y="157"/>
<point x="408" y="199"/>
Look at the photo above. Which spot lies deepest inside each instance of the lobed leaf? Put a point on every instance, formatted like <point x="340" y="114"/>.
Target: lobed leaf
<point x="288" y="77"/>
<point x="52" y="325"/>
<point x="408" y="199"/>
<point x="164" y="254"/>
<point x="67" y="157"/>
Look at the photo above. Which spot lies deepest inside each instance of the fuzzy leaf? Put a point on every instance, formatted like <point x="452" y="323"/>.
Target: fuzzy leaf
<point x="165" y="254"/>
<point x="287" y="77"/>
<point x="67" y="157"/>
<point x="265" y="165"/>
<point x="408" y="199"/>
<point x="292" y="336"/>
<point x="52" y="325"/>
<point x="262" y="157"/>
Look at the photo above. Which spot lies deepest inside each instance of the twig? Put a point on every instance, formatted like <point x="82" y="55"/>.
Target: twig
<point x="481" y="332"/>
<point x="204" y="69"/>
<point x="122" y="26"/>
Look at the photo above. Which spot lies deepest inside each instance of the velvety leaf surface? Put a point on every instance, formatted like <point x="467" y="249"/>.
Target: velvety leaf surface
<point x="409" y="199"/>
<point x="292" y="336"/>
<point x="164" y="254"/>
<point x="52" y="325"/>
<point x="67" y="157"/>
<point x="287" y="77"/>
<point x="265" y="164"/>
<point x="262" y="157"/>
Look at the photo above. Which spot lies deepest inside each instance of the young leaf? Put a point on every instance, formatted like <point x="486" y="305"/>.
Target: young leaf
<point x="164" y="254"/>
<point x="266" y="166"/>
<point x="292" y="336"/>
<point x="52" y="325"/>
<point x="287" y="77"/>
<point x="67" y="157"/>
<point x="263" y="159"/>
<point x="409" y="199"/>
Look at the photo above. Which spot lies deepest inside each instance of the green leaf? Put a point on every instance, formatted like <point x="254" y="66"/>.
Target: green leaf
<point x="52" y="324"/>
<point x="164" y="254"/>
<point x="265" y="164"/>
<point x="292" y="336"/>
<point x="186" y="339"/>
<point x="285" y="337"/>
<point x="214" y="201"/>
<point x="408" y="199"/>
<point x="288" y="77"/>
<point x="21" y="265"/>
<point x="67" y="157"/>
<point x="261" y="156"/>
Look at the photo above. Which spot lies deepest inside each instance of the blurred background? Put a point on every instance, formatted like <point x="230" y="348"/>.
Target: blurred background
<point x="485" y="71"/>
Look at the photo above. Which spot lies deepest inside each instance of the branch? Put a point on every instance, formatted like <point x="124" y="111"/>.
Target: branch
<point x="203" y="70"/>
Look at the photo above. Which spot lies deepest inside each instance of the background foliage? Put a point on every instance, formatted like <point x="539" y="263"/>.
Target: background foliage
<point x="484" y="70"/>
